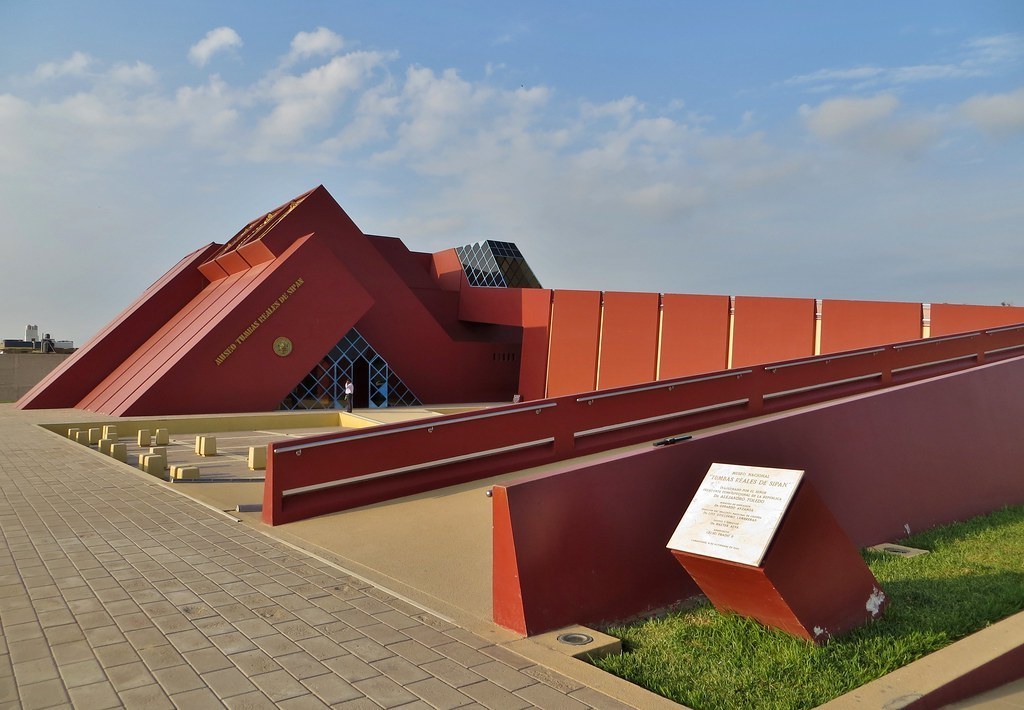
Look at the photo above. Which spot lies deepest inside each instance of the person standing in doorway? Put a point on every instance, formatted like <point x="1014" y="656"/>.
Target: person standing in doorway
<point x="350" y="392"/>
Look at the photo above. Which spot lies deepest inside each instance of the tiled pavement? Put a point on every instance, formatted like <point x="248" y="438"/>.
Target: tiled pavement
<point x="115" y="591"/>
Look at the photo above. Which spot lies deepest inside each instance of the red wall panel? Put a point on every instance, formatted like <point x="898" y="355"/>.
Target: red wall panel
<point x="572" y="362"/>
<point x="629" y="339"/>
<point x="951" y="318"/>
<point x="694" y="334"/>
<point x="848" y="325"/>
<point x="772" y="329"/>
<point x="914" y="443"/>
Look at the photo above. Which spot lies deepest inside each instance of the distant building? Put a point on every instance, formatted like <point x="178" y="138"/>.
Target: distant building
<point x="34" y="344"/>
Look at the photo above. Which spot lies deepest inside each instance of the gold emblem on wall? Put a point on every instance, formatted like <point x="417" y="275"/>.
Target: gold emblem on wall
<point x="283" y="346"/>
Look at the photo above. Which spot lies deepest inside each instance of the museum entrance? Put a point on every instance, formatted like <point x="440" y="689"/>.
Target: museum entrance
<point x="376" y="384"/>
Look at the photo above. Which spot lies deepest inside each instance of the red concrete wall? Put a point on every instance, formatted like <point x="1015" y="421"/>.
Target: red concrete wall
<point x="907" y="458"/>
<point x="694" y="334"/>
<point x="849" y="325"/>
<point x="950" y="318"/>
<point x="447" y="270"/>
<point x="772" y="329"/>
<point x="526" y="307"/>
<point x="629" y="339"/>
<point x="572" y="357"/>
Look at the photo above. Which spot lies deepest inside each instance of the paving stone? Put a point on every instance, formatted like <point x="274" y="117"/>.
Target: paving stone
<point x="208" y="659"/>
<point x="367" y="649"/>
<point x="73" y="652"/>
<point x="227" y="682"/>
<point x="305" y="702"/>
<point x="254" y="662"/>
<point x="129" y="675"/>
<point x="352" y="668"/>
<point x="452" y="673"/>
<point x="384" y="691"/>
<point x="463" y="654"/>
<point x="158" y="657"/>
<point x="437" y="694"/>
<point x="250" y="701"/>
<point x="96" y="696"/>
<point x="82" y="673"/>
<point x="302" y="665"/>
<point x="178" y="679"/>
<point x="35" y="671"/>
<point x="233" y="642"/>
<point x="384" y="634"/>
<point x="278" y="685"/>
<point x="42" y="695"/>
<point x="29" y="650"/>
<point x="415" y="652"/>
<point x="332" y="689"/>
<point x="494" y="696"/>
<point x="199" y="699"/>
<point x="321" y="648"/>
<point x="115" y="591"/>
<point x="150" y="697"/>
<point x="543" y="696"/>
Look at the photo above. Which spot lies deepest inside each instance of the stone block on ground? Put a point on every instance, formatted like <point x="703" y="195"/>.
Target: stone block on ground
<point x="207" y="446"/>
<point x="257" y="458"/>
<point x="119" y="452"/>
<point x="186" y="473"/>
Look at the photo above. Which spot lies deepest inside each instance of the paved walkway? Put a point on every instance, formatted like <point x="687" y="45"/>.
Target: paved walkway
<point x="115" y="591"/>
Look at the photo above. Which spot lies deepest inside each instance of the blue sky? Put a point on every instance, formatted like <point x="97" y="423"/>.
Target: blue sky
<point x="868" y="150"/>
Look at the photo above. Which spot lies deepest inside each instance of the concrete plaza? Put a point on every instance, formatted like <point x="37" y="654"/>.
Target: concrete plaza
<point x="120" y="590"/>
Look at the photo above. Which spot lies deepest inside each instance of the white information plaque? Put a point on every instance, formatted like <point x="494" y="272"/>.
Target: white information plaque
<point x="735" y="512"/>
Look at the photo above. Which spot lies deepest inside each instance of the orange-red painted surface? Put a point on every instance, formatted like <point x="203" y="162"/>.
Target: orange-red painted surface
<point x="772" y="329"/>
<point x="950" y="318"/>
<point x="572" y="357"/>
<point x="905" y="458"/>
<point x="694" y="335"/>
<point x="629" y="339"/>
<point x="469" y="446"/>
<point x="848" y="325"/>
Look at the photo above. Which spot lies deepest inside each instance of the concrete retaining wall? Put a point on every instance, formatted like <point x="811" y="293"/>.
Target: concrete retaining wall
<point x="19" y="372"/>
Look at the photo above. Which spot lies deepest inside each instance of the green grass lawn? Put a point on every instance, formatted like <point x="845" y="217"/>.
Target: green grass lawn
<point x="973" y="577"/>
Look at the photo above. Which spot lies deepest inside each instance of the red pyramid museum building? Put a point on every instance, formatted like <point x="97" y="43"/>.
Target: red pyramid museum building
<point x="300" y="299"/>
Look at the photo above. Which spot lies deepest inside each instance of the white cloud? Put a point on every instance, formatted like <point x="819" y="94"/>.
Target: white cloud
<point x="320" y="42"/>
<point x="837" y="118"/>
<point x="218" y="40"/>
<point x="310" y="100"/>
<point x="138" y="73"/>
<point x="830" y="75"/>
<point x="872" y="126"/>
<point x="453" y="160"/>
<point x="998" y="114"/>
<point x="997" y="49"/>
<point x="75" y="65"/>
<point x="979" y="57"/>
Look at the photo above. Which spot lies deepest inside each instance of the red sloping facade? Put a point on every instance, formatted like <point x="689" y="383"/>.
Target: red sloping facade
<point x="448" y="341"/>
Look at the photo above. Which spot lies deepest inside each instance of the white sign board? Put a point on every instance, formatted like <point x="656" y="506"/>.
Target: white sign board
<point x="735" y="512"/>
